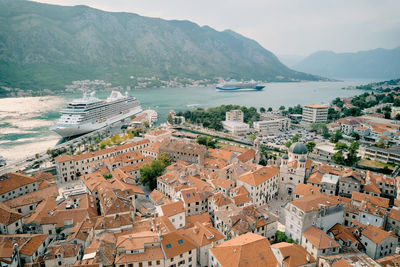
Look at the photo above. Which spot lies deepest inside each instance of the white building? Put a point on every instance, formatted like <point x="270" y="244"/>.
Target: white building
<point x="236" y="127"/>
<point x="234" y="115"/>
<point x="175" y="212"/>
<point x="273" y="125"/>
<point x="321" y="211"/>
<point x="315" y="114"/>
<point x="262" y="184"/>
<point x="295" y="167"/>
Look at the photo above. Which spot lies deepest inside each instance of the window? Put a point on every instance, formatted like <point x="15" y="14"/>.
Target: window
<point x="180" y="241"/>
<point x="158" y="262"/>
<point x="149" y="263"/>
<point x="168" y="246"/>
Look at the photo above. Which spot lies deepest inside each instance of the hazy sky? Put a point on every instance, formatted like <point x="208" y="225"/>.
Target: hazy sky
<point x="285" y="27"/>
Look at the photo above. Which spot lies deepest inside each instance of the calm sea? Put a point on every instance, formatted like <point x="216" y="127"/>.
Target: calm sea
<point x="24" y="122"/>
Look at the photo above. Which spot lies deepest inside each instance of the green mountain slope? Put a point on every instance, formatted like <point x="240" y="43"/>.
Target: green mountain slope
<point x="48" y="46"/>
<point x="378" y="63"/>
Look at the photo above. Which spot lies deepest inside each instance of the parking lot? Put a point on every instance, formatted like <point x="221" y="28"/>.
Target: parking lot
<point x="278" y="139"/>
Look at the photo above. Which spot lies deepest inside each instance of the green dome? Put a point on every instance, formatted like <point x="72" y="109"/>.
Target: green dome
<point x="298" y="148"/>
<point x="303" y="159"/>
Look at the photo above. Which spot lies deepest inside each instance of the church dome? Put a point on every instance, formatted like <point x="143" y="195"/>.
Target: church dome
<point x="303" y="159"/>
<point x="285" y="157"/>
<point x="298" y="148"/>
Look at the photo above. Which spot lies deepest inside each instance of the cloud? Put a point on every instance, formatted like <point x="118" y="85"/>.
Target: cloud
<point x="285" y="26"/>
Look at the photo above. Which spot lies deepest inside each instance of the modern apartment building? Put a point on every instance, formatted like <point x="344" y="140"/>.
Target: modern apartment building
<point x="315" y="114"/>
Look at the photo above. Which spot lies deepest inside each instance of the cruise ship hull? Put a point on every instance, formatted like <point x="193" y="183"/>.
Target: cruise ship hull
<point x="255" y="88"/>
<point x="80" y="129"/>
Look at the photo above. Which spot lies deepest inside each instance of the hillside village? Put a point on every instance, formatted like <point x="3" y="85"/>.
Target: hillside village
<point x="170" y="198"/>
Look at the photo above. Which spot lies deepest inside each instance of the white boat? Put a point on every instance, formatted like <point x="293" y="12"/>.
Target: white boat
<point x="234" y="85"/>
<point x="89" y="113"/>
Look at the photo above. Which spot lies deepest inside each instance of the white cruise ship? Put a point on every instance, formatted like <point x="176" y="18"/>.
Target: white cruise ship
<point x="89" y="113"/>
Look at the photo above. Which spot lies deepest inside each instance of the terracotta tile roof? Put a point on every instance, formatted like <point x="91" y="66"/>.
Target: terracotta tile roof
<point x="293" y="164"/>
<point x="223" y="183"/>
<point x="7" y="215"/>
<point x="12" y="181"/>
<point x="390" y="261"/>
<point x="113" y="222"/>
<point x="394" y="214"/>
<point x="376" y="234"/>
<point x="149" y="254"/>
<point x="245" y="250"/>
<point x="202" y="234"/>
<point x="154" y="147"/>
<point x="40" y="176"/>
<point x="234" y="149"/>
<point x="199" y="184"/>
<point x="293" y="254"/>
<point x="220" y="199"/>
<point x="157" y="196"/>
<point x="342" y="233"/>
<point x="101" y="152"/>
<point x="239" y="190"/>
<point x="174" y="244"/>
<point x="306" y="190"/>
<point x="216" y="164"/>
<point x="260" y="175"/>
<point x="190" y="195"/>
<point x="241" y="199"/>
<point x="247" y="155"/>
<point x="220" y="154"/>
<point x="319" y="238"/>
<point x="201" y="218"/>
<point x="173" y="208"/>
<point x="315" y="202"/>
<point x="65" y="249"/>
<point x="373" y="188"/>
<point x="315" y="178"/>
<point x="341" y="263"/>
<point x="33" y="197"/>
<point x="378" y="201"/>
<point x="325" y="168"/>
<point x="28" y="243"/>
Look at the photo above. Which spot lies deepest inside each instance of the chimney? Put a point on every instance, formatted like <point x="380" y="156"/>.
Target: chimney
<point x="330" y="243"/>
<point x="130" y="237"/>
<point x="308" y="258"/>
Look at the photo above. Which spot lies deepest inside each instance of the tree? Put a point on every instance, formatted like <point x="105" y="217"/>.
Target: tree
<point x="296" y="138"/>
<point x="252" y="137"/>
<point x="397" y="117"/>
<point x="37" y="156"/>
<point x="355" y="135"/>
<point x="288" y="144"/>
<point x="269" y="109"/>
<point x="310" y="146"/>
<point x="262" y="110"/>
<point x="387" y="115"/>
<point x="107" y="176"/>
<point x="164" y="158"/>
<point x="336" y="137"/>
<point x="206" y="141"/>
<point x="150" y="172"/>
<point x="338" y="158"/>
<point x="340" y="146"/>
<point x="282" y="108"/>
<point x="352" y="155"/>
<point x="169" y="118"/>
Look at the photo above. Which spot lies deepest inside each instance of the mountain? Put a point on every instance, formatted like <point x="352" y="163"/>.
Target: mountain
<point x="49" y="46"/>
<point x="378" y="63"/>
<point x="290" y="60"/>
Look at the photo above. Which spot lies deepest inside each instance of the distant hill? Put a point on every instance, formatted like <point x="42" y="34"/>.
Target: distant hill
<point x="378" y="63"/>
<point x="49" y="46"/>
